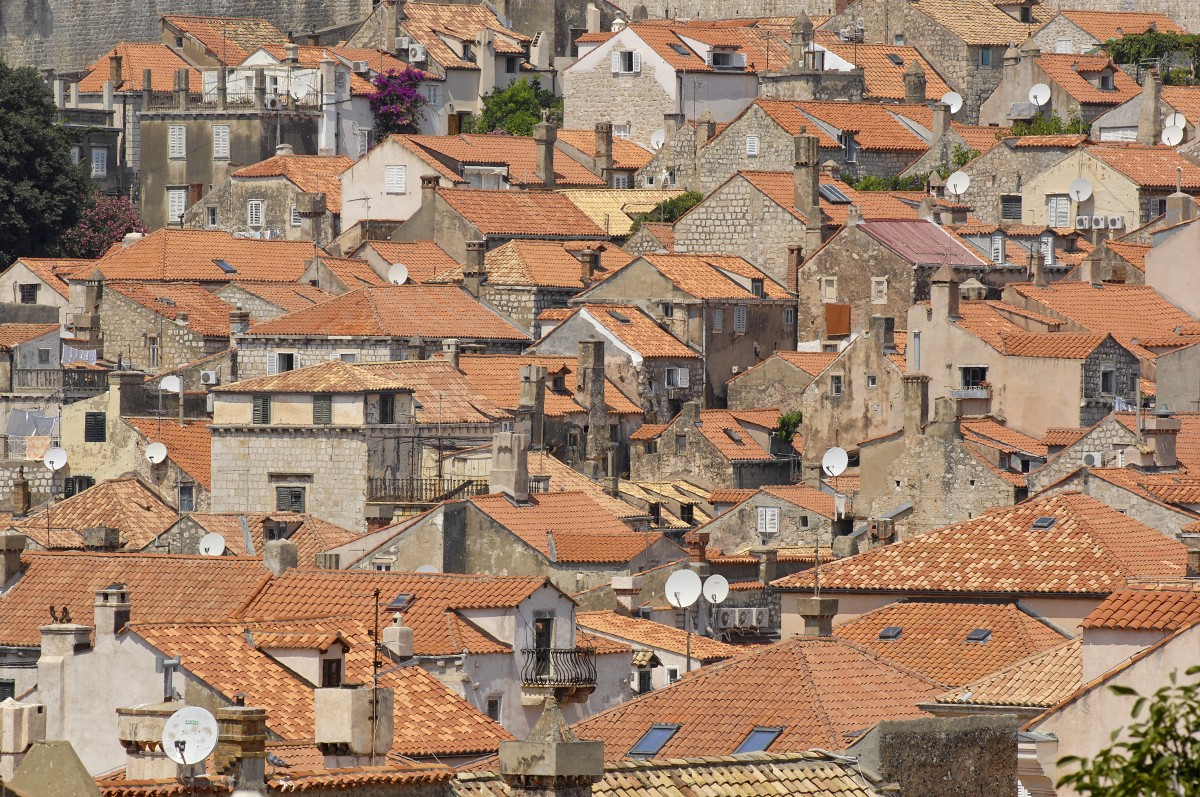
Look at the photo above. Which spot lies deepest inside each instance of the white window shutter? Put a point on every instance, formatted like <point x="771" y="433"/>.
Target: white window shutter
<point x="273" y="363"/>
<point x="637" y="61"/>
<point x="752" y="146"/>
<point x="683" y="377"/>
<point x="616" y="61"/>
<point x="772" y="520"/>
<point x="221" y="142"/>
<point x="99" y="162"/>
<point x="762" y="520"/>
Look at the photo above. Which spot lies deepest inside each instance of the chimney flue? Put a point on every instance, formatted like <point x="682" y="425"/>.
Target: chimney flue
<point x="510" y="466"/>
<point x="604" y="151"/>
<point x="475" y="269"/>
<point x="544" y="136"/>
<point x="818" y="614"/>
<point x="806" y="176"/>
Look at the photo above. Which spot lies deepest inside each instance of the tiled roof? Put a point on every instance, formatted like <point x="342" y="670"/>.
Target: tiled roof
<point x="498" y="376"/>
<point x="884" y="77"/>
<point x="933" y="637"/>
<point x="1090" y="549"/>
<point x="637" y="330"/>
<point x="1042" y="680"/>
<point x="780" y="188"/>
<point x="192" y="255"/>
<point x="1131" y="253"/>
<point x="980" y="22"/>
<point x="1060" y="345"/>
<point x="568" y="527"/>
<point x="397" y="311"/>
<point x="1105" y="25"/>
<point x="524" y="263"/>
<point x="128" y="505"/>
<point x="564" y="478"/>
<point x="804" y="496"/>
<point x="626" y="154"/>
<point x="429" y="22"/>
<point x="810" y="362"/>
<point x="423" y="259"/>
<point x="1071" y="71"/>
<point x="713" y="276"/>
<point x="54" y="270"/>
<point x="188" y="446"/>
<point x="921" y="241"/>
<point x="331" y="376"/>
<point x="876" y="129"/>
<point x="313" y="536"/>
<point x="353" y="272"/>
<point x="518" y="153"/>
<point x="987" y="430"/>
<point x="816" y="689"/>
<point x="1160" y="606"/>
<point x="378" y="62"/>
<point x="1062" y="436"/>
<point x="1187" y="442"/>
<point x="1065" y="140"/>
<point x="648" y="431"/>
<point x="14" y="334"/>
<point x="399" y="772"/>
<point x="1182" y="492"/>
<point x="663" y="233"/>
<point x="647" y="633"/>
<point x="163" y="588"/>
<point x="136" y="58"/>
<point x="287" y="297"/>
<point x="724" y="429"/>
<point x="1148" y="166"/>
<point x="1184" y="99"/>
<point x="669" y="40"/>
<point x="614" y="209"/>
<point x="185" y="303"/>
<point x="989" y="322"/>
<point x="522" y="213"/>
<point x="312" y="173"/>
<point x="229" y="39"/>
<point x="980" y="138"/>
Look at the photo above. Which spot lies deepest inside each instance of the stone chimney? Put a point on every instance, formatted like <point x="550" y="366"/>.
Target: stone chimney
<point x="140" y="730"/>
<point x="12" y="545"/>
<point x="943" y="293"/>
<point x="110" y="610"/>
<point x="475" y="269"/>
<point x="398" y="638"/>
<point x="510" y="466"/>
<point x="1180" y="207"/>
<point x="914" y="84"/>
<point x="795" y="258"/>
<point x="1161" y="430"/>
<point x="593" y="18"/>
<point x="802" y="37"/>
<point x="279" y="556"/>
<point x="183" y="87"/>
<point x="415" y="350"/>
<point x="260" y="88"/>
<point x="587" y="265"/>
<point x="429" y="187"/>
<point x="284" y="149"/>
<point x="882" y="330"/>
<point x="925" y="210"/>
<point x="806" y="176"/>
<point x="544" y="137"/>
<point x="1149" y="124"/>
<point x="671" y="124"/>
<point x="591" y="385"/>
<point x="915" y="391"/>
<point x="450" y="352"/>
<point x="853" y="216"/>
<point x="706" y="128"/>
<point x="291" y="53"/>
<point x="239" y="322"/>
<point x="21" y="725"/>
<point x="1091" y="270"/>
<point x="354" y="722"/>
<point x="532" y="407"/>
<point x="941" y="121"/>
<point x="552" y="761"/>
<point x="241" y="751"/>
<point x="125" y="394"/>
<point x="768" y="562"/>
<point x="21" y="498"/>
<point x="604" y="151"/>
<point x="817" y="614"/>
<point x="61" y="643"/>
<point x="115" y="71"/>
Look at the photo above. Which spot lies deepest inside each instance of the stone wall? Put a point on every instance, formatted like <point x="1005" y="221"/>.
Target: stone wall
<point x="1003" y="170"/>
<point x="716" y="9"/>
<point x="1062" y="29"/>
<point x="258" y="308"/>
<point x="1094" y="404"/>
<point x="773" y="383"/>
<point x="521" y="305"/>
<point x="41" y="482"/>
<point x="677" y="155"/>
<point x="1106" y="438"/>
<point x="602" y="96"/>
<point x="737" y="529"/>
<point x="278" y="195"/>
<point x="1156" y="515"/>
<point x="128" y="326"/>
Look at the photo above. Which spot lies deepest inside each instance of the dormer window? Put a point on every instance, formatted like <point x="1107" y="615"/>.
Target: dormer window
<point x="1106" y="81"/>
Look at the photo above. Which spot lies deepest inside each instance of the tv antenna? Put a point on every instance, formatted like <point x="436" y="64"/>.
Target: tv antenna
<point x="1039" y="95"/>
<point x="954" y="100"/>
<point x="683" y="589"/>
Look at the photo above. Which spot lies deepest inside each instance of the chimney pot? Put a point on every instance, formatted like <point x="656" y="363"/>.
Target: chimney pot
<point x="544" y="136"/>
<point x="806" y="177"/>
<point x="587" y="269"/>
<point x="279" y="556"/>
<point x="818" y="614"/>
<point x="450" y="348"/>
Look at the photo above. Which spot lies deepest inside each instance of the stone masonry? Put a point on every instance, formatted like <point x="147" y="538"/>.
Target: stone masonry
<point x="601" y="96"/>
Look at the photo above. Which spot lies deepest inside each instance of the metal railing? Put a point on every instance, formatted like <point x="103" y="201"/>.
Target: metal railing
<point x="559" y="667"/>
<point x="434" y="490"/>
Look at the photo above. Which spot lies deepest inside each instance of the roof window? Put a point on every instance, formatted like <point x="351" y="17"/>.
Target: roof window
<point x="679" y="48"/>
<point x="654" y="740"/>
<point x="895" y="59"/>
<point x="734" y="435"/>
<point x="980" y="635"/>
<point x="624" y="319"/>
<point x="891" y="633"/>
<point x="833" y="194"/>
<point x="758" y="740"/>
<point x="224" y="266"/>
<point x="1043" y="523"/>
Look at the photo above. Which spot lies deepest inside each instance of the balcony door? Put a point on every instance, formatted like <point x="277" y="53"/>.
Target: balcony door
<point x="543" y="641"/>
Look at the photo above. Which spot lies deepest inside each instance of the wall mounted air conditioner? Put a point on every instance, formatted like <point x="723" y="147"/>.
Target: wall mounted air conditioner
<point x="210" y="378"/>
<point x="1093" y="459"/>
<point x="1083" y="222"/>
<point x="1116" y="222"/>
<point x="1099" y="222"/>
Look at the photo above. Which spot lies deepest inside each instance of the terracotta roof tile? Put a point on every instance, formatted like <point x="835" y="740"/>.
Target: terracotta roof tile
<point x="980" y="138"/>
<point x="933" y="637"/>
<point x="313" y="535"/>
<point x="1164" y="488"/>
<point x="228" y="39"/>
<point x="424" y="259"/>
<point x="1090" y="549"/>
<point x="1062" y="436"/>
<point x="884" y="77"/>
<point x="990" y="430"/>
<point x="1184" y="99"/>
<point x="1148" y="607"/>
<point x="725" y="430"/>
<point x="1065" y="140"/>
<point x="521" y="213"/>
<point x="128" y="505"/>
<point x="1041" y="680"/>
<point x="816" y="689"/>
<point x="186" y="303"/>
<point x="647" y="633"/>
<point x="287" y="297"/>
<point x="136" y="58"/>
<point x="648" y="431"/>
<point x="663" y="233"/>
<point x="188" y="446"/>
<point x="875" y="126"/>
<point x="633" y="327"/>
<point x="668" y="39"/>
<point x="810" y="362"/>
<point x="1060" y="345"/>
<point x="498" y="376"/>
<point x="780" y="188"/>
<point x="354" y="272"/>
<point x="428" y="22"/>
<point x="312" y="173"/>
<point x="713" y="276"/>
<point x="518" y="153"/>
<point x="54" y="270"/>
<point x="614" y="209"/>
<point x="1131" y="253"/>
<point x="1012" y="477"/>
<point x="1071" y="73"/>
<point x="980" y="22"/>
<point x="522" y="263"/>
<point x="1148" y="166"/>
<point x="804" y="496"/>
<point x="626" y="154"/>
<point x="564" y="478"/>
<point x="192" y="255"/>
<point x="14" y="334"/>
<point x="1105" y="25"/>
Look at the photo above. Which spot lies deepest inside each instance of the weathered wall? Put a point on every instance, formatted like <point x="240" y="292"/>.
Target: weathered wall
<point x="737" y="529"/>
<point x="128" y="326"/>
<point x="278" y="195"/>
<point x="1004" y="171"/>
<point x="637" y="100"/>
<point x="1107" y="438"/>
<point x="1159" y="516"/>
<point x="774" y="383"/>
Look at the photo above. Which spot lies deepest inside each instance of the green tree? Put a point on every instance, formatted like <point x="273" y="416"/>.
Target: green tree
<point x="788" y="425"/>
<point x="1159" y="755"/>
<point x="42" y="193"/>
<point x="1183" y="48"/>
<point x="515" y="109"/>
<point x="104" y="222"/>
<point x="1047" y="126"/>
<point x="892" y="182"/>
<point x="668" y="211"/>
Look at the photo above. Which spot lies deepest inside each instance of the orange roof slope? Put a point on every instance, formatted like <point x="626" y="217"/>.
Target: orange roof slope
<point x="229" y="39"/>
<point x="1148" y="607"/>
<point x="429" y="22"/>
<point x="723" y="428"/>
<point x="188" y="446"/>
<point x="648" y="633"/>
<point x="805" y="497"/>
<point x="883" y="76"/>
<point x="313" y="536"/>
<point x="1133" y="254"/>
<point x="518" y="153"/>
<point x="353" y="272"/>
<point x="192" y="255"/>
<point x="1090" y="549"/>
<point x="626" y="154"/>
<point x="980" y="22"/>
<point x="1105" y="25"/>
<point x="289" y="298"/>
<point x="431" y="311"/>
<point x="162" y="588"/>
<point x="128" y="505"/>
<point x="423" y="259"/>
<point x="997" y="435"/>
<point x="54" y="271"/>
<point x="136" y="58"/>
<point x="933" y="637"/>
<point x="1184" y="99"/>
<point x="521" y="263"/>
<point x="1040" y="681"/>
<point x="780" y="187"/>
<point x="810" y="362"/>
<point x="521" y="213"/>
<point x="637" y="330"/>
<point x="498" y="376"/>
<point x="816" y="689"/>
<point x="714" y="276"/>
<point x="874" y="126"/>
<point x="1148" y="166"/>
<point x="185" y="303"/>
<point x="312" y="173"/>
<point x="1071" y="72"/>
<point x="14" y="334"/>
<point x="668" y="39"/>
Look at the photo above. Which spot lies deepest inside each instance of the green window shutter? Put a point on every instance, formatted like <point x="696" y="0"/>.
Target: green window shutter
<point x="94" y="427"/>
<point x="322" y="409"/>
<point x="289" y="499"/>
<point x="387" y="408"/>
<point x="262" y="409"/>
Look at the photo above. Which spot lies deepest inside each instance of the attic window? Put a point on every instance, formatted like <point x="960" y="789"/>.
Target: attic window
<point x="618" y="316"/>
<point x="679" y="48"/>
<point x="654" y="740"/>
<point x="401" y="602"/>
<point x="833" y="194"/>
<point x="979" y="635"/>
<point x="734" y="436"/>
<point x="1043" y="523"/>
<point x="228" y="269"/>
<point x="758" y="740"/>
<point x="891" y="633"/>
<point x="895" y="59"/>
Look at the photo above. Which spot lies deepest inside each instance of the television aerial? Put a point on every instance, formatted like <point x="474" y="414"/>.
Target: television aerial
<point x="683" y="588"/>
<point x="398" y="274"/>
<point x="1080" y="189"/>
<point x="1039" y="95"/>
<point x="189" y="735"/>
<point x="657" y="139"/>
<point x="170" y="384"/>
<point x="835" y="461"/>
<point x="55" y="459"/>
<point x="1172" y="136"/>
<point x="953" y="99"/>
<point x="212" y="544"/>
<point x="156" y="453"/>
<point x="958" y="183"/>
<point x="716" y="589"/>
<point x="1176" y="120"/>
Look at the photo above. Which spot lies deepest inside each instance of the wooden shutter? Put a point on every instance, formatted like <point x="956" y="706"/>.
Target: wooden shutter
<point x="739" y="318"/>
<point x="94" y="424"/>
<point x="177" y="141"/>
<point x="220" y="142"/>
<point x="616" y="61"/>
<point x="262" y="410"/>
<point x="637" y="61"/>
<point x="682" y="377"/>
<point x="322" y="409"/>
<point x="752" y="146"/>
<point x="272" y="363"/>
<point x="387" y="408"/>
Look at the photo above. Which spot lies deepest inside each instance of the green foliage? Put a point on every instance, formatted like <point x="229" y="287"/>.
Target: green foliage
<point x="104" y="222"/>
<point x="891" y="182"/>
<point x="1047" y="126"/>
<point x="669" y="210"/>
<point x="789" y="425"/>
<point x="960" y="156"/>
<point x="42" y="192"/>
<point x="1159" y="755"/>
<point x="515" y="109"/>
<point x="1155" y="46"/>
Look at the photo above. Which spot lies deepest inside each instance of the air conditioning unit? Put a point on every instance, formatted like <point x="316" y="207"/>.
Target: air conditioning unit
<point x="1116" y="222"/>
<point x="727" y="618"/>
<point x="416" y="53"/>
<point x="359" y="67"/>
<point x="210" y="378"/>
<point x="402" y="43"/>
<point x="1099" y="222"/>
<point x="1083" y="222"/>
<point x="273" y="103"/>
<point x="746" y="618"/>
<point x="1093" y="459"/>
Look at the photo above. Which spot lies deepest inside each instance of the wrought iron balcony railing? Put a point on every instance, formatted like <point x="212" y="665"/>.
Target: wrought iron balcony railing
<point x="559" y="667"/>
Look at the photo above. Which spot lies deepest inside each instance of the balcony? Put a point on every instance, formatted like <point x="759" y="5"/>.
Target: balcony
<point x="977" y="392"/>
<point x="559" y="668"/>
<point x="434" y="491"/>
<point x="37" y="380"/>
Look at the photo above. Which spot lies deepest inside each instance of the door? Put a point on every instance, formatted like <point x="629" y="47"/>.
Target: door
<point x="543" y="641"/>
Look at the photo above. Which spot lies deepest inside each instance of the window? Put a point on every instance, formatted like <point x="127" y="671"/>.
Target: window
<point x="1058" y="210"/>
<point x="99" y="162"/>
<point x="680" y="443"/>
<point x="758" y="740"/>
<point x="718" y="319"/>
<point x="76" y="154"/>
<point x="176" y="142"/>
<point x="187" y="497"/>
<point x="395" y="179"/>
<point x="668" y="309"/>
<point x="387" y="408"/>
<point x="331" y="673"/>
<point x="973" y="376"/>
<point x="687" y="513"/>
<point x="804" y="521"/>
<point x="654" y="740"/>
<point x="212" y="216"/>
<point x="756" y="287"/>
<point x="43" y="356"/>
<point x="829" y="289"/>
<point x="768" y="520"/>
<point x="752" y="146"/>
<point x="621" y="131"/>
<point x="364" y="141"/>
<point x="980" y="635"/>
<point x="176" y="204"/>
<point x="1010" y="208"/>
<point x="1108" y="381"/>
<point x="73" y="485"/>
<point x="261" y="414"/>
<point x="220" y="142"/>
<point x="849" y="147"/>
<point x="985" y="56"/>
<point x="512" y="64"/>
<point x="626" y="62"/>
<point x="879" y="290"/>
<point x="322" y="409"/>
<point x="899" y="40"/>
<point x="152" y="348"/>
<point x="644" y="682"/>
<point x="1106" y="81"/>
<point x="95" y="427"/>
<point x="678" y="377"/>
<point x="672" y="674"/>
<point x="254" y="213"/>
<point x="1062" y="46"/>
<point x="281" y="361"/>
<point x="433" y="94"/>
<point x="997" y="248"/>
<point x="295" y="217"/>
<point x="348" y="357"/>
<point x="872" y="380"/>
<point x="8" y="688"/>
<point x="620" y="179"/>
<point x="289" y="499"/>
<point x="739" y="318"/>
<point x="29" y="292"/>
<point x="837" y="384"/>
<point x="493" y="709"/>
<point x="789" y="316"/>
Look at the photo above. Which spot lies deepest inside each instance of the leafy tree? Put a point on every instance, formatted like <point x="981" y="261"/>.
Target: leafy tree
<point x="396" y="102"/>
<point x="105" y="221"/>
<point x="42" y="192"/>
<point x="515" y="109"/>
<point x="668" y="211"/>
<point x="1047" y="126"/>
<point x="891" y="182"/>
<point x="788" y="425"/>
<point x="1155" y="46"/>
<point x="960" y="156"/>
<point x="1160" y="756"/>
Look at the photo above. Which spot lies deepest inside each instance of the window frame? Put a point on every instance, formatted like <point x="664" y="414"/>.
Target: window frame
<point x="99" y="163"/>
<point x="758" y="733"/>
<point x="752" y="146"/>
<point x="95" y="427"/>
<point x="644" y="747"/>
<point x="739" y="318"/>
<point x="295" y="214"/>
<point x="1007" y="201"/>
<point x="177" y="142"/>
<point x="322" y="406"/>
<point x="289" y="496"/>
<point x="182" y="489"/>
<point x="255" y="209"/>
<point x="26" y="295"/>
<point x="395" y="179"/>
<point x="182" y="194"/>
<point x="220" y="142"/>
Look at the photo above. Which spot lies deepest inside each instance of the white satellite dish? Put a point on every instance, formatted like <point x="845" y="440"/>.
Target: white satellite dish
<point x="835" y="461"/>
<point x="658" y="138"/>
<point x="1172" y="136"/>
<point x="398" y="274"/>
<point x="189" y="735"/>
<point x="298" y="90"/>
<point x="170" y="384"/>
<point x="212" y="544"/>
<point x="953" y="99"/>
<point x="1176" y="120"/>
<point x="958" y="183"/>
<point x="156" y="453"/>
<point x="1080" y="189"/>
<point x="1039" y="95"/>
<point x="427" y="569"/>
<point x="55" y="459"/>
<point x="683" y="588"/>
<point x="716" y="589"/>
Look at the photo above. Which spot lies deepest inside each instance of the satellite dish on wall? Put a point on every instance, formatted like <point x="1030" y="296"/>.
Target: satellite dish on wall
<point x="1039" y="95"/>
<point x="658" y="138"/>
<point x="1080" y="189"/>
<point x="835" y="461"/>
<point x="170" y="384"/>
<point x="189" y="735"/>
<point x="1176" y="120"/>
<point x="427" y="569"/>
<point x="298" y="90"/>
<point x="1172" y="136"/>
<point x="55" y="459"/>
<point x="716" y="589"/>
<point x="398" y="274"/>
<point x="156" y="453"/>
<point x="212" y="544"/>
<point x="953" y="99"/>
<point x="958" y="183"/>
<point x="683" y="588"/>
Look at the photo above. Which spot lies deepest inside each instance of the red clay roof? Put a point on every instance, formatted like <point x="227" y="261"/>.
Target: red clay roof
<point x="533" y="214"/>
<point x="1131" y="253"/>
<point x="427" y="23"/>
<point x="1162" y="606"/>
<point x="313" y="535"/>
<point x="186" y="303"/>
<point x="188" y="446"/>
<point x="725" y="430"/>
<point x="1042" y="680"/>
<point x="1187" y="442"/>
<point x="287" y="297"/>
<point x="54" y="271"/>
<point x="804" y="496"/>
<point x="518" y="153"/>
<point x="1071" y="73"/>
<point x="14" y="334"/>
<point x="668" y="38"/>
<point x="228" y="39"/>
<point x="128" y="505"/>
<point x="921" y="241"/>
<point x="312" y="173"/>
<point x="875" y="127"/>
<point x="626" y="154"/>
<point x="424" y="259"/>
<point x="1105" y="25"/>
<point x="136" y="58"/>
<point x="524" y="263"/>
<point x="1148" y="166"/>
<point x="637" y="330"/>
<point x="779" y="187"/>
<point x="647" y="633"/>
<point x="713" y="276"/>
<point x="884" y="77"/>
<point x="191" y="255"/>
<point x="498" y="376"/>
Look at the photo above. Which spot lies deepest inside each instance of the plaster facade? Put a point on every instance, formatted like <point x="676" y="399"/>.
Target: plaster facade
<point x="1005" y="171"/>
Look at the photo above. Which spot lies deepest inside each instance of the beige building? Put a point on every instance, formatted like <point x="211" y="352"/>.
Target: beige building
<point x="1082" y="86"/>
